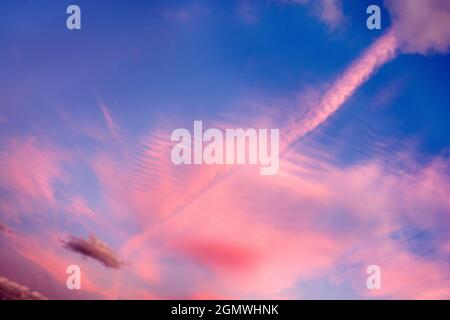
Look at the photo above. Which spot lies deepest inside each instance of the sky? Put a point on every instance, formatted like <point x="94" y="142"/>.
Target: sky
<point x="86" y="176"/>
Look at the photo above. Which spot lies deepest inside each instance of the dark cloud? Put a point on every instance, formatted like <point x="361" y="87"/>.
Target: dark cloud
<point x="10" y="290"/>
<point x="95" y="249"/>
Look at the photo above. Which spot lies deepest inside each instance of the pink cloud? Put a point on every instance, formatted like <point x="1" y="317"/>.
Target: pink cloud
<point x="30" y="170"/>
<point x="215" y="254"/>
<point x="239" y="245"/>
<point x="248" y="238"/>
<point x="46" y="252"/>
<point x="403" y="275"/>
<point x="256" y="236"/>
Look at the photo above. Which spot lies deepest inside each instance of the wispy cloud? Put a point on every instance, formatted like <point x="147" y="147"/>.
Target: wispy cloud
<point x="32" y="179"/>
<point x="329" y="12"/>
<point x="110" y="122"/>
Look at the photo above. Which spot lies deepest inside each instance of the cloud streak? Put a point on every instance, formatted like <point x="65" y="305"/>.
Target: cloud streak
<point x="382" y="51"/>
<point x="110" y="122"/>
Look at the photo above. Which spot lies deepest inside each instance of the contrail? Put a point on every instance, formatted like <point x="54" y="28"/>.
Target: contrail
<point x="382" y="51"/>
<point x="379" y="53"/>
